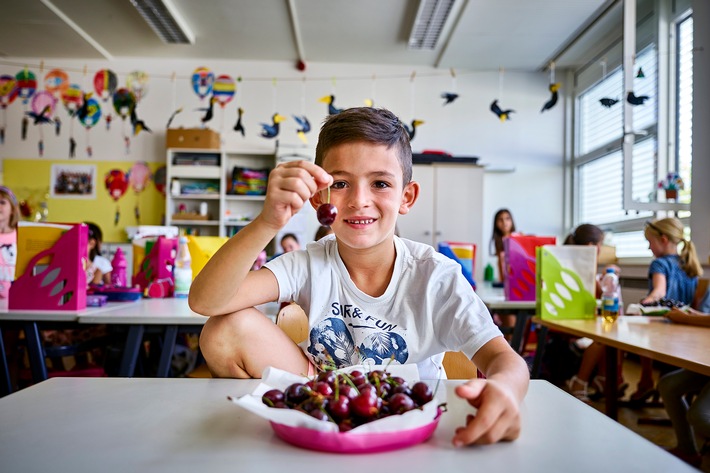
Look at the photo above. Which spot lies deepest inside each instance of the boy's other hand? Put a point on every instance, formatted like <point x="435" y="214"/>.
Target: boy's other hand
<point x="289" y="188"/>
<point x="498" y="416"/>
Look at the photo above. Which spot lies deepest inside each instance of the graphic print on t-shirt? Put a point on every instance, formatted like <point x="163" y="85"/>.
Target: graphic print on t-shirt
<point x="334" y="339"/>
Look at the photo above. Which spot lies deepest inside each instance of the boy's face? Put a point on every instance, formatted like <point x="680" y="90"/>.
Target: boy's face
<point x="368" y="192"/>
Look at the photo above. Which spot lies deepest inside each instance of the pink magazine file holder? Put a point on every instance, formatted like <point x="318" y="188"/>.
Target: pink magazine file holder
<point x="520" y="265"/>
<point x="62" y="284"/>
<point x="157" y="266"/>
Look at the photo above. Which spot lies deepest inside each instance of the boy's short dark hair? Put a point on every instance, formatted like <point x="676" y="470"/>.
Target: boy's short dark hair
<point x="372" y="125"/>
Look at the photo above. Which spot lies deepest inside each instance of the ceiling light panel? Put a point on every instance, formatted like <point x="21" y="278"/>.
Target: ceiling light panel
<point x="165" y="20"/>
<point x="429" y="23"/>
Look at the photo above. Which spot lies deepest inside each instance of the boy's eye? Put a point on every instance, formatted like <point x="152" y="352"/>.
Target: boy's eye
<point x="381" y="184"/>
<point x="338" y="185"/>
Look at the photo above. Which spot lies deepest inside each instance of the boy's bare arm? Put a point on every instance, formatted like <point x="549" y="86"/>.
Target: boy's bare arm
<point x="496" y="398"/>
<point x="226" y="284"/>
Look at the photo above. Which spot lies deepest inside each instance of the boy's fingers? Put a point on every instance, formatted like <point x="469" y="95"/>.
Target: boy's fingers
<point x="322" y="178"/>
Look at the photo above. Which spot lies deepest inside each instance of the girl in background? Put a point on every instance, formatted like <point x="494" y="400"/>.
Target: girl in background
<point x="98" y="270"/>
<point x="593" y="359"/>
<point x="9" y="216"/>
<point x="503" y="226"/>
<point x="671" y="276"/>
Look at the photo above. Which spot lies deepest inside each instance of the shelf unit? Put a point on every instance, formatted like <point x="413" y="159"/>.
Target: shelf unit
<point x="211" y="170"/>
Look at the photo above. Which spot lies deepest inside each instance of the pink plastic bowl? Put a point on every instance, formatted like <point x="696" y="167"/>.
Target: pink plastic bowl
<point x="337" y="442"/>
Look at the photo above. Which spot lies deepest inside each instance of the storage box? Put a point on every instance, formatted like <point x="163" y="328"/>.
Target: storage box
<point x="566" y="281"/>
<point x="157" y="260"/>
<point x="520" y="268"/>
<point x="50" y="267"/>
<point x="203" y="138"/>
<point x="462" y="253"/>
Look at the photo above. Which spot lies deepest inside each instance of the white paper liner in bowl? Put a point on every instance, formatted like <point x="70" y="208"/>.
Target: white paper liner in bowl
<point x="274" y="378"/>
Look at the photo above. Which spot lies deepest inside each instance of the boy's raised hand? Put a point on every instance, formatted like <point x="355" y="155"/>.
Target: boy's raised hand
<point x="290" y="186"/>
<point x="498" y="416"/>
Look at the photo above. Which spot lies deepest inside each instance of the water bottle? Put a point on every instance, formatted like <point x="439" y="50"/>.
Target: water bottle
<point x="182" y="271"/>
<point x="610" y="296"/>
<point x="118" y="273"/>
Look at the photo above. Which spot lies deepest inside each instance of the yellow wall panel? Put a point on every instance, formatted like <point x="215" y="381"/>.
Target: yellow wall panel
<point x="30" y="180"/>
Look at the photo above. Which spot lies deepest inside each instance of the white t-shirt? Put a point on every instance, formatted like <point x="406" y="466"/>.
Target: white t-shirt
<point x="8" y="258"/>
<point x="100" y="263"/>
<point x="428" y="308"/>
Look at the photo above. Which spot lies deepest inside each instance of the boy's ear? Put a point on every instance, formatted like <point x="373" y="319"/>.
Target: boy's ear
<point x="409" y="196"/>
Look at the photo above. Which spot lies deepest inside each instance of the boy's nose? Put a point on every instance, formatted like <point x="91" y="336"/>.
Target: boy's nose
<point x="359" y="197"/>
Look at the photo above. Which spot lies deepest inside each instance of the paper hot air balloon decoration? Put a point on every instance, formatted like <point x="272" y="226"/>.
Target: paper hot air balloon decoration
<point x="137" y="83"/>
<point x="116" y="184"/>
<point x="91" y="118"/>
<point x="202" y="82"/>
<point x="72" y="99"/>
<point x="105" y="83"/>
<point x="26" y="84"/>
<point x="223" y="89"/>
<point x="123" y="102"/>
<point x="8" y="94"/>
<point x="138" y="177"/>
<point x="56" y="81"/>
<point x="43" y="104"/>
<point x="160" y="178"/>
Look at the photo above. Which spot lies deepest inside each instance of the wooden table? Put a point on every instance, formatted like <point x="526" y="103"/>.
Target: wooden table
<point x="187" y="425"/>
<point x="684" y="346"/>
<point x="495" y="300"/>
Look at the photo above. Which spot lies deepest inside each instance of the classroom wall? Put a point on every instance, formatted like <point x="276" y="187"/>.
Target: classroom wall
<point x="528" y="148"/>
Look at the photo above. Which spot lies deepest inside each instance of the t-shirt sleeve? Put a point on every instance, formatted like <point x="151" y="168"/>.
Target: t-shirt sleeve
<point x="102" y="264"/>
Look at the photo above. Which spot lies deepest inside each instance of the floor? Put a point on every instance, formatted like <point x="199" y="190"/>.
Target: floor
<point x="654" y="431"/>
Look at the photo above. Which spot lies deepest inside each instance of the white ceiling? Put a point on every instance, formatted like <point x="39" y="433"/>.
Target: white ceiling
<point x="479" y="34"/>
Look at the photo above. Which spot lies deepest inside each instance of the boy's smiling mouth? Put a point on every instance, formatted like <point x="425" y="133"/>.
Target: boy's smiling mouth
<point x="360" y="221"/>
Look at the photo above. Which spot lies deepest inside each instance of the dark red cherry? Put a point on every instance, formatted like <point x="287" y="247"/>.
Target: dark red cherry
<point x="326" y="214"/>
<point x="421" y="393"/>
<point x="400" y="403"/>
<point x="339" y="408"/>
<point x="271" y="397"/>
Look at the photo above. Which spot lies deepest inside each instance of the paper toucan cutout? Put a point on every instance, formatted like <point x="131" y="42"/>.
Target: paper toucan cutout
<point x="239" y="127"/>
<point x="272" y="130"/>
<point x="413" y="129"/>
<point x="634" y="100"/>
<point x="369" y="103"/>
<point x="138" y="125"/>
<point x="209" y="111"/>
<point x="172" y="117"/>
<point x="553" y="99"/>
<point x="502" y="114"/>
<point x="304" y="126"/>
<point x="449" y="97"/>
<point x="607" y="102"/>
<point x="640" y="74"/>
<point x="330" y="100"/>
<point x="83" y="111"/>
<point x="42" y="117"/>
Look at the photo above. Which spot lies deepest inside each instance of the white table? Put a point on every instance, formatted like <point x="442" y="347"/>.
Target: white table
<point x="495" y="300"/>
<point x="187" y="425"/>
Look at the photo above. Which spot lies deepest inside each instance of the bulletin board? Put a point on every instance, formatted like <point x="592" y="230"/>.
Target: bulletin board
<point x="30" y="180"/>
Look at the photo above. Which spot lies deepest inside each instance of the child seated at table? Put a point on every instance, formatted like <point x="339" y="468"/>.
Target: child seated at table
<point x="369" y="295"/>
<point x="98" y="268"/>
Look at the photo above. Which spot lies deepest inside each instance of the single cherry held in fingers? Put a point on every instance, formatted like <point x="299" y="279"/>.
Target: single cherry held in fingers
<point x="327" y="212"/>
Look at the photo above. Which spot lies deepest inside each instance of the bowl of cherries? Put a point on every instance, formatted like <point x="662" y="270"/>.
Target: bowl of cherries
<point x="358" y="410"/>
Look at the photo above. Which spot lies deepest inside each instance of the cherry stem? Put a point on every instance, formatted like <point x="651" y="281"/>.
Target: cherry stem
<point x="328" y="198"/>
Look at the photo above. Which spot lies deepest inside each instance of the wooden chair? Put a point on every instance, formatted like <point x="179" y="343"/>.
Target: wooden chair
<point x="294" y="321"/>
<point x="459" y="366"/>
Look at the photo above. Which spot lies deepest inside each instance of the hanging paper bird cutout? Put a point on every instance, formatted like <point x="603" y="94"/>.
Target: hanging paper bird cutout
<point x="633" y="100"/>
<point x="640" y="74"/>
<point x="607" y="102"/>
<point x="170" y="120"/>
<point x="449" y="97"/>
<point x="72" y="147"/>
<point x="42" y="117"/>
<point x="304" y="126"/>
<point x="209" y="111"/>
<point x="369" y="103"/>
<point x="83" y="111"/>
<point x="413" y="129"/>
<point x="330" y="100"/>
<point x="138" y="125"/>
<point x="239" y="127"/>
<point x="502" y="114"/>
<point x="553" y="99"/>
<point x="272" y="130"/>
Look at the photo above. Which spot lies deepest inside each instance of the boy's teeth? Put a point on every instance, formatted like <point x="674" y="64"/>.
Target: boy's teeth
<point x="362" y="222"/>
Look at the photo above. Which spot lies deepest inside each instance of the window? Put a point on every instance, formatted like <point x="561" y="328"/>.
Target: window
<point x="598" y="163"/>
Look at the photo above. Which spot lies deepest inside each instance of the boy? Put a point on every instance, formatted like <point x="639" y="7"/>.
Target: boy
<point x="369" y="295"/>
